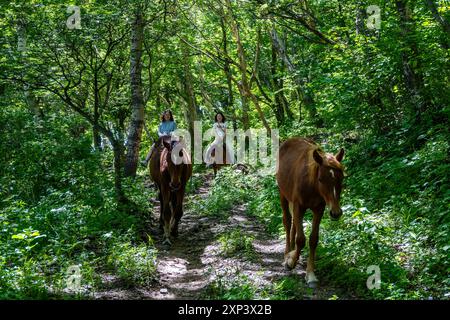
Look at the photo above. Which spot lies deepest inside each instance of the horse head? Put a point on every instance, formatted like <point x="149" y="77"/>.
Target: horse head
<point x="173" y="158"/>
<point x="330" y="177"/>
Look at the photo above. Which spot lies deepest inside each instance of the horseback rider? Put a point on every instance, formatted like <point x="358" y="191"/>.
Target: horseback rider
<point x="220" y="132"/>
<point x="165" y="128"/>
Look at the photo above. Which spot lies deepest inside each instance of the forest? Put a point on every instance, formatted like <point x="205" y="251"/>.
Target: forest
<point x="83" y="85"/>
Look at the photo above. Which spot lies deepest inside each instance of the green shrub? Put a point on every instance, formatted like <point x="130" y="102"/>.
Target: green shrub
<point x="236" y="242"/>
<point x="235" y="286"/>
<point x="266" y="205"/>
<point x="136" y="265"/>
<point x="57" y="203"/>
<point x="229" y="188"/>
<point x="289" y="288"/>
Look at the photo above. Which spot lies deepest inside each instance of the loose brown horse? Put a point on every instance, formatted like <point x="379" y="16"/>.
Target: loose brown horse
<point x="307" y="178"/>
<point x="171" y="179"/>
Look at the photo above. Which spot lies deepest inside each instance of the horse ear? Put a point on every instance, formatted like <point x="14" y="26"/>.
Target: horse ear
<point x="340" y="155"/>
<point x="317" y="157"/>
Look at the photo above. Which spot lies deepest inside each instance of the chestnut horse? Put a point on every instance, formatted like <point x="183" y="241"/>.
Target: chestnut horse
<point x="171" y="179"/>
<point x="307" y="178"/>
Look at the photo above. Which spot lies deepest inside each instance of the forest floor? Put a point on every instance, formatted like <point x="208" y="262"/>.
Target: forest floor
<point x="195" y="266"/>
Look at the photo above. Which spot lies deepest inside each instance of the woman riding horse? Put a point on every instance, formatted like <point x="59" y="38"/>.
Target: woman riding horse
<point x="219" y="153"/>
<point x="165" y="128"/>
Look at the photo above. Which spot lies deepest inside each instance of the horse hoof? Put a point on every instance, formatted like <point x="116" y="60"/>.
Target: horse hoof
<point x="289" y="260"/>
<point x="289" y="264"/>
<point x="312" y="284"/>
<point x="311" y="280"/>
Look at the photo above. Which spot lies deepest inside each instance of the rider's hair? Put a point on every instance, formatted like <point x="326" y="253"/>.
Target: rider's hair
<point x="163" y="114"/>
<point x="223" y="117"/>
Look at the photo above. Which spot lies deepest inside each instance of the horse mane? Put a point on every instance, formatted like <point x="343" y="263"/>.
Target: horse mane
<point x="312" y="165"/>
<point x="163" y="163"/>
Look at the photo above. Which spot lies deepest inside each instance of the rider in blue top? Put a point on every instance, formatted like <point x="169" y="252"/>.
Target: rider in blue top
<point x="165" y="128"/>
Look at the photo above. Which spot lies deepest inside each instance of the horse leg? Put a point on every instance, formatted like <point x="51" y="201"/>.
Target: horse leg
<point x="161" y="210"/>
<point x="224" y="152"/>
<point x="167" y="215"/>
<point x="218" y="161"/>
<point x="293" y="256"/>
<point x="287" y="219"/>
<point x="293" y="231"/>
<point x="178" y="213"/>
<point x="311" y="279"/>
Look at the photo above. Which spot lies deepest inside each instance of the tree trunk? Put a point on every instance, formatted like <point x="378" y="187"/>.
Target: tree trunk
<point x="31" y="100"/>
<point x="244" y="85"/>
<point x="281" y="49"/>
<point x="137" y="100"/>
<point x="33" y="103"/>
<point x="411" y="59"/>
<point x="227" y="71"/>
<point x="360" y="20"/>
<point x="306" y="98"/>
<point x="230" y="97"/>
<point x="96" y="136"/>
<point x="118" y="151"/>
<point x="245" y="119"/>
<point x="287" y="110"/>
<point x="95" y="130"/>
<point x="116" y="143"/>
<point x="203" y="90"/>
<point x="191" y="111"/>
<point x="281" y="106"/>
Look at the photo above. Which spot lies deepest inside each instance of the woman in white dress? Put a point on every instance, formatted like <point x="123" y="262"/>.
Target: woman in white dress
<point x="214" y="152"/>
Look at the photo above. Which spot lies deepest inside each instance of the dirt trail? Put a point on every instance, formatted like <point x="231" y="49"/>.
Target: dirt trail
<point x="195" y="260"/>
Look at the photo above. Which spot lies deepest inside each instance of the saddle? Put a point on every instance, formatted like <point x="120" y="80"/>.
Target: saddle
<point x="163" y="164"/>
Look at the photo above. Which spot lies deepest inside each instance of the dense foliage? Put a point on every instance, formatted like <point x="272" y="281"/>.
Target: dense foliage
<point x="70" y="127"/>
